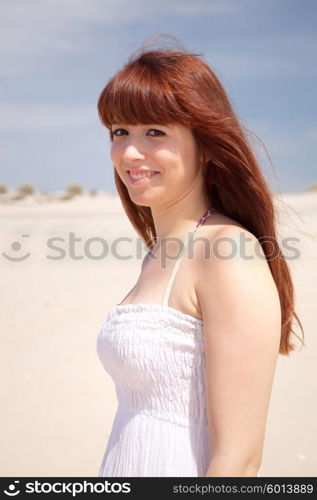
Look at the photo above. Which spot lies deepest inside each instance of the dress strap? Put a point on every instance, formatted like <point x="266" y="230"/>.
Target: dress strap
<point x="179" y="257"/>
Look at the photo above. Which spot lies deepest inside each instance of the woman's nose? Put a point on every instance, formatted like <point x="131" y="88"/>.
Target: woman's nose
<point x="132" y="152"/>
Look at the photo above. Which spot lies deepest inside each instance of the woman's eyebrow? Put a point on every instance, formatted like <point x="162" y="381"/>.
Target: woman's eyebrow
<point x="148" y="125"/>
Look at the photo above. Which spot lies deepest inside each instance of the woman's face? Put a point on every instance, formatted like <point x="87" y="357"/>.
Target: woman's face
<point x="167" y="154"/>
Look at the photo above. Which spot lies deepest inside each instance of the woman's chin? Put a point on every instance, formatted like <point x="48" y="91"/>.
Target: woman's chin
<point x="142" y="199"/>
<point x="142" y="202"/>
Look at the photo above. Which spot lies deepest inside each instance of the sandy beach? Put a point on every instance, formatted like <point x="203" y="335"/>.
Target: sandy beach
<point x="58" y="284"/>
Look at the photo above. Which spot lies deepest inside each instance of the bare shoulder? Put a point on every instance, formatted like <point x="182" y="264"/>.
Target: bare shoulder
<point x="233" y="273"/>
<point x="225" y="240"/>
<point x="240" y="308"/>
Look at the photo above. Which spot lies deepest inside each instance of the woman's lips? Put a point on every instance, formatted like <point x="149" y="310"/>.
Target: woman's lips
<point x="146" y="178"/>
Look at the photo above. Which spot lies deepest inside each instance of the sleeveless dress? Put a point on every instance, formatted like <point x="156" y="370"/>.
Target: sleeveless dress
<point x="155" y="356"/>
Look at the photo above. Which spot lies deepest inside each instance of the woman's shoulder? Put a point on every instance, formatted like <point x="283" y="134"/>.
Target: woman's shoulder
<point x="224" y="235"/>
<point x="225" y="248"/>
<point x="235" y="275"/>
<point x="218" y="221"/>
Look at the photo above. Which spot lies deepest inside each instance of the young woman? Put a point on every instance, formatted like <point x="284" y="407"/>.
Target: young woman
<point x="192" y="348"/>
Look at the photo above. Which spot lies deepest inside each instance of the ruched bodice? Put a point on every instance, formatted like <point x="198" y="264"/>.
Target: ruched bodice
<point x="155" y="355"/>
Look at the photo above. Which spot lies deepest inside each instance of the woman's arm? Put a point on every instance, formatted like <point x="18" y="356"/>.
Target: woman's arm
<point x="242" y="327"/>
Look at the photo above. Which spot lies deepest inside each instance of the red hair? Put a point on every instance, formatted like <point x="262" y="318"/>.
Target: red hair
<point x="169" y="86"/>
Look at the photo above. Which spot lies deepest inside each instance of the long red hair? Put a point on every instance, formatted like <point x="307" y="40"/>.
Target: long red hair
<point x="165" y="86"/>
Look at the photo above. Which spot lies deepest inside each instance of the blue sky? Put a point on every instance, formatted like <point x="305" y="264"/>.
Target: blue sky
<point x="57" y="55"/>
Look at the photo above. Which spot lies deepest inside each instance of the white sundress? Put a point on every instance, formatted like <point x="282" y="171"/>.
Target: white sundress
<point x="155" y="356"/>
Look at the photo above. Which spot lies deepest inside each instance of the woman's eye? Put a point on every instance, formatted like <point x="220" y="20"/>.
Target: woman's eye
<point x="115" y="132"/>
<point x="155" y="130"/>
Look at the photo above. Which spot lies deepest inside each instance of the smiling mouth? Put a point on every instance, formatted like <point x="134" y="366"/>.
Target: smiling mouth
<point x="145" y="175"/>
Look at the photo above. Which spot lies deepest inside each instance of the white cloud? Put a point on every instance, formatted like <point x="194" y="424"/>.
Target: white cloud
<point x="30" y="117"/>
<point x="33" y="27"/>
<point x="270" y="56"/>
<point x="201" y="7"/>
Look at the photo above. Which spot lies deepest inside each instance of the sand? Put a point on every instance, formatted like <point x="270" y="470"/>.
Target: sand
<point x="57" y="401"/>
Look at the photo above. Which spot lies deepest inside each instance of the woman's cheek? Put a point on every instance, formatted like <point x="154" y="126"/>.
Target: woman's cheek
<point x="114" y="154"/>
<point x="165" y="159"/>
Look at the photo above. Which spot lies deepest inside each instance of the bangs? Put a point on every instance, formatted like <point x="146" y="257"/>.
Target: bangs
<point x="137" y="95"/>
